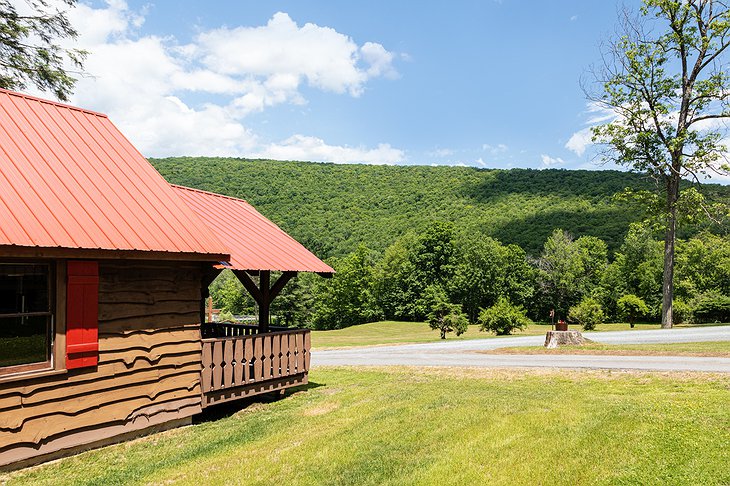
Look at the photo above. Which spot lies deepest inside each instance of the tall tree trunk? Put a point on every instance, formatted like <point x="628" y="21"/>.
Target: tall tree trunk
<point x="669" y="239"/>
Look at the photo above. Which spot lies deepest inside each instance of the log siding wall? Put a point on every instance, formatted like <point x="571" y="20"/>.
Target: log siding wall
<point x="148" y="372"/>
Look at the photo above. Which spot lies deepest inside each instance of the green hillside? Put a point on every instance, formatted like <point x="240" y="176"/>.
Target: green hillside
<point x="331" y="208"/>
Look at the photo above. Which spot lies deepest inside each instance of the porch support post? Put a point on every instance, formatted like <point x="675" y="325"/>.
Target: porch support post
<point x="264" y="293"/>
<point x="265" y="304"/>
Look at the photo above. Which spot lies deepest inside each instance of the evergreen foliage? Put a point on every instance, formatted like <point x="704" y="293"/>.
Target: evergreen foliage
<point x="29" y="50"/>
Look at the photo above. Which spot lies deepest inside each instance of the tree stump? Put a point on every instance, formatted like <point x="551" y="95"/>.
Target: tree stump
<point x="553" y="339"/>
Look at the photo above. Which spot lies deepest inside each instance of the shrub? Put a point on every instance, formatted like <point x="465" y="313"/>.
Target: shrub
<point x="712" y="308"/>
<point x="681" y="312"/>
<point x="503" y="318"/>
<point x="588" y="313"/>
<point x="447" y="317"/>
<point x="631" y="307"/>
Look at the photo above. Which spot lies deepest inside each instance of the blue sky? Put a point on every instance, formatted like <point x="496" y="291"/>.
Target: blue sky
<point x="480" y="83"/>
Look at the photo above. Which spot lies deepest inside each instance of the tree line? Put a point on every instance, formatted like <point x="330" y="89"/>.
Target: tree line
<point x="333" y="208"/>
<point x="445" y="273"/>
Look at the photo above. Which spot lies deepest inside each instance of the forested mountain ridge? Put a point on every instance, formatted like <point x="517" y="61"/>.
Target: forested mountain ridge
<point x="331" y="208"/>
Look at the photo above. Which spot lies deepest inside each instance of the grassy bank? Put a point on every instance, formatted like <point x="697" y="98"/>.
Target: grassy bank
<point x="718" y="348"/>
<point x="416" y="426"/>
<point x="394" y="332"/>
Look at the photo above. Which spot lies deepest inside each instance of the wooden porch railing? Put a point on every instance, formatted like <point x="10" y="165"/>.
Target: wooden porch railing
<point x="244" y="365"/>
<point x="226" y="329"/>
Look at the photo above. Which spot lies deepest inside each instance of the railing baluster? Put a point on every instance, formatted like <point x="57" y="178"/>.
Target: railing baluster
<point x="276" y="351"/>
<point x="217" y="361"/>
<point x="227" y="363"/>
<point x="207" y="373"/>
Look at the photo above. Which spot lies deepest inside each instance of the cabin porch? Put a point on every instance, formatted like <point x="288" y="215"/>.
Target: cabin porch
<point x="240" y="361"/>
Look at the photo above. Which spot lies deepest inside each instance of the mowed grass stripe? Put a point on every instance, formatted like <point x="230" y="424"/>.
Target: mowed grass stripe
<point x="441" y="426"/>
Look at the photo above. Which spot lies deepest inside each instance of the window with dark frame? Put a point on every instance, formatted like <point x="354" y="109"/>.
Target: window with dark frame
<point x="26" y="317"/>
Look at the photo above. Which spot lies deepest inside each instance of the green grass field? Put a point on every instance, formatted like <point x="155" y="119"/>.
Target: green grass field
<point x="394" y="332"/>
<point x="717" y="348"/>
<point x="439" y="427"/>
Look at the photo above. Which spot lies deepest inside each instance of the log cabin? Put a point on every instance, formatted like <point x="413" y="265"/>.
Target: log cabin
<point x="104" y="268"/>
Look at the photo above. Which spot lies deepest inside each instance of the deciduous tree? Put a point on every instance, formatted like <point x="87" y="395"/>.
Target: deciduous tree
<point x="665" y="79"/>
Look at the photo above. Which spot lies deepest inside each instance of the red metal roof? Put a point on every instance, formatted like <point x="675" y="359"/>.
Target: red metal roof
<point x="70" y="179"/>
<point x="255" y="242"/>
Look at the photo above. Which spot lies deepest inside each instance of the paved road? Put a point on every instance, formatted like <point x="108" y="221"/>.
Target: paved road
<point x="465" y="353"/>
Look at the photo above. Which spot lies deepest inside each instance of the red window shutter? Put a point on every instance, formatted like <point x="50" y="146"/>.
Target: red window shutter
<point x="82" y="314"/>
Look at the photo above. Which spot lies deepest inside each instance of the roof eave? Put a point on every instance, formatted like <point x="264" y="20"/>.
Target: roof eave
<point x="15" y="251"/>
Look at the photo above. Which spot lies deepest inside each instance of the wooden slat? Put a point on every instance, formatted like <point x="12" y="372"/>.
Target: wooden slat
<point x="299" y="339"/>
<point x="266" y="365"/>
<point x="217" y="369"/>
<point x="258" y="354"/>
<point x="276" y="352"/>
<point x="284" y="354"/>
<point x="292" y="351"/>
<point x="248" y="355"/>
<point x="307" y="348"/>
<point x="228" y="364"/>
<point x="239" y="358"/>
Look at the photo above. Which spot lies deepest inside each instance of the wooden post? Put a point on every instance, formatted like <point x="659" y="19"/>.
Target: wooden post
<point x="265" y="304"/>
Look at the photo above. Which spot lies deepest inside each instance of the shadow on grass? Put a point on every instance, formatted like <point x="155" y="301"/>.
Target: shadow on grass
<point x="223" y="410"/>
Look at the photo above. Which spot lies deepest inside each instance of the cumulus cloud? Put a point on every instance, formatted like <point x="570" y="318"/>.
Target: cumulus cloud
<point x="300" y="147"/>
<point x="580" y="141"/>
<point x="549" y="161"/>
<point x="597" y="114"/>
<point x="193" y="99"/>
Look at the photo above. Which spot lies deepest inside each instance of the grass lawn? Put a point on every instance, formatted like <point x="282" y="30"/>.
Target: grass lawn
<point x="394" y="332"/>
<point x="717" y="348"/>
<point x="392" y="426"/>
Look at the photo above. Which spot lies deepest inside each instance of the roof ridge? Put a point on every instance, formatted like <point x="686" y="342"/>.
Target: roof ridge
<point x="193" y="189"/>
<point x="51" y="102"/>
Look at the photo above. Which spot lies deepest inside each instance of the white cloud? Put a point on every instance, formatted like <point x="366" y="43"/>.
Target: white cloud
<point x="300" y="147"/>
<point x="549" y="161"/>
<point x="144" y="83"/>
<point x="573" y="18"/>
<point x="495" y="149"/>
<point x="580" y="141"/>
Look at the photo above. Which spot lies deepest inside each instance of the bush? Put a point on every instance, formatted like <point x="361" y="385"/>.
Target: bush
<point x="588" y="313"/>
<point x="503" y="318"/>
<point x="631" y="307"/>
<point x="712" y="308"/>
<point x="681" y="312"/>
<point x="447" y="317"/>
